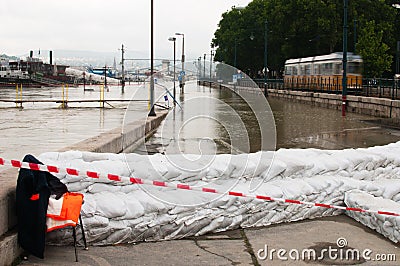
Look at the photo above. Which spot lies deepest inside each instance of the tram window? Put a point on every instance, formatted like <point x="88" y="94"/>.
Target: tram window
<point x="327" y="68"/>
<point x="294" y="71"/>
<point x="302" y="70"/>
<point x="308" y="69"/>
<point x="287" y="71"/>
<point x="317" y="69"/>
<point x="355" y="67"/>
<point x="337" y="69"/>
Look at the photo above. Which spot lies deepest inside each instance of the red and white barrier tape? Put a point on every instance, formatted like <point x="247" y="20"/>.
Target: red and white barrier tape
<point x="139" y="181"/>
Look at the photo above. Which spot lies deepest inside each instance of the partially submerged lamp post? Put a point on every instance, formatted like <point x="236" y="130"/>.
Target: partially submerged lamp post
<point x="152" y="112"/>
<point x="183" y="59"/>
<point x="344" y="77"/>
<point x="173" y="39"/>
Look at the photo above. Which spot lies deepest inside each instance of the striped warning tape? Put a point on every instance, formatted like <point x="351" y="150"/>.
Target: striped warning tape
<point x="140" y="181"/>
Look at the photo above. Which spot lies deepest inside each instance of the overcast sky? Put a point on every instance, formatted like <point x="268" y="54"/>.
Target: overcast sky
<point x="99" y="25"/>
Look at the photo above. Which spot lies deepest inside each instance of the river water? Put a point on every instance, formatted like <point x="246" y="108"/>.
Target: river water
<point x="42" y="127"/>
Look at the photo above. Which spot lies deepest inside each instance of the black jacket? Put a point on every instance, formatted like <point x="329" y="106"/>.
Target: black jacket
<point x="32" y="197"/>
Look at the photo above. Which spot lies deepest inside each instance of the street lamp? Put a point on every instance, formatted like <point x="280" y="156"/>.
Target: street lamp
<point x="173" y="39"/>
<point x="265" y="55"/>
<point x="183" y="58"/>
<point x="235" y="58"/>
<point x="152" y="112"/>
<point x="344" y="77"/>
<point x="199" y="67"/>
<point x="204" y="72"/>
<point x="265" y="58"/>
<point x="211" y="56"/>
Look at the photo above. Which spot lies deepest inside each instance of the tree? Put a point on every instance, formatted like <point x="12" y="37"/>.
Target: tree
<point x="373" y="50"/>
<point x="300" y="28"/>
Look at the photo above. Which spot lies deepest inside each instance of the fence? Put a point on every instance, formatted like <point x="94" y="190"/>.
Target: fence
<point x="382" y="88"/>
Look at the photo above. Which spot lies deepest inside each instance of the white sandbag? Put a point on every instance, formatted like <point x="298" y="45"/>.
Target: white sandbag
<point x="384" y="224"/>
<point x="110" y="205"/>
<point x="121" y="212"/>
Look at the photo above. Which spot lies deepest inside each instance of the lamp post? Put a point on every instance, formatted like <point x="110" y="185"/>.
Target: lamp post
<point x="173" y="39"/>
<point x="344" y="77"/>
<point x="199" y="67"/>
<point x="204" y="72"/>
<point x="397" y="57"/>
<point x="266" y="58"/>
<point x="123" y="69"/>
<point x="152" y="112"/>
<point x="211" y="56"/>
<point x="355" y="35"/>
<point x="183" y="58"/>
<point x="235" y="56"/>
<point x="265" y="55"/>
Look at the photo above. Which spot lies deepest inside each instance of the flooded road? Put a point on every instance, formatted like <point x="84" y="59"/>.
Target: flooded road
<point x="297" y="126"/>
<point x="305" y="126"/>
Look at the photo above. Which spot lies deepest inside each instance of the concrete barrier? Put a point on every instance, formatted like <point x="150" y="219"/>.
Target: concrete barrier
<point x="115" y="141"/>
<point x="379" y="107"/>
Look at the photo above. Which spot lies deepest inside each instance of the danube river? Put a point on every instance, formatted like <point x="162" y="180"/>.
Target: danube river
<point x="43" y="127"/>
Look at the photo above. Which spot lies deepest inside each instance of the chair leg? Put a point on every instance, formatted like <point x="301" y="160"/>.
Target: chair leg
<point x="74" y="234"/>
<point x="83" y="233"/>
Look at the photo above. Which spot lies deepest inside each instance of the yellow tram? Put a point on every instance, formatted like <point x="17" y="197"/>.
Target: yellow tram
<point x="323" y="72"/>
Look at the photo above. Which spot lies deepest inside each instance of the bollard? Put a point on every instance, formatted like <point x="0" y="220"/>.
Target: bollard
<point x="64" y="100"/>
<point x="102" y="96"/>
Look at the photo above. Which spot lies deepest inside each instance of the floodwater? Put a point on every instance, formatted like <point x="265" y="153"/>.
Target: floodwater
<point x="297" y="126"/>
<point x="212" y="121"/>
<point x="42" y="127"/>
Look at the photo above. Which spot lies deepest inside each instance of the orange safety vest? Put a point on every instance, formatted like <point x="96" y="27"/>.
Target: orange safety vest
<point x="64" y="211"/>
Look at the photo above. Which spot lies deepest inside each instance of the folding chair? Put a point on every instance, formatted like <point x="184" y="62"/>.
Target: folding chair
<point x="65" y="212"/>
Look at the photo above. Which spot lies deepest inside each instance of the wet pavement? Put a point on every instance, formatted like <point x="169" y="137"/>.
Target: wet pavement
<point x="245" y="247"/>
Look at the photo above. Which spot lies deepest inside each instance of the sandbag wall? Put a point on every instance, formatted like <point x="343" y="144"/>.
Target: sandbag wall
<point x="122" y="212"/>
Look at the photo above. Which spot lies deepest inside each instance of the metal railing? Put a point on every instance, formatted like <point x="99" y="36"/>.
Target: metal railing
<point x="382" y="88"/>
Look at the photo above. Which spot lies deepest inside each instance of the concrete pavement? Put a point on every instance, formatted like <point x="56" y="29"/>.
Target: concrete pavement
<point x="241" y="247"/>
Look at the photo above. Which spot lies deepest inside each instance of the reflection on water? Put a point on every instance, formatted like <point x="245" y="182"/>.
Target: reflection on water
<point x="305" y="126"/>
<point x="297" y="126"/>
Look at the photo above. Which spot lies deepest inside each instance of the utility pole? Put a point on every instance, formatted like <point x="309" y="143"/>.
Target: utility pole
<point x="152" y="112"/>
<point x="123" y="69"/>
<point x="344" y="77"/>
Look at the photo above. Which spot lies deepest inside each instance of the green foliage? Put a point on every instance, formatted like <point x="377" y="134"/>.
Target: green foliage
<point x="373" y="50"/>
<point x="300" y="28"/>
